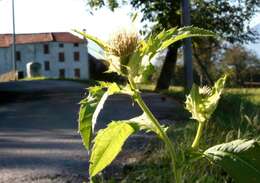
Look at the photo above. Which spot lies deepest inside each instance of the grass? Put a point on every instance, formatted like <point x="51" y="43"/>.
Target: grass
<point x="42" y="78"/>
<point x="237" y="116"/>
<point x="35" y="78"/>
<point x="251" y="94"/>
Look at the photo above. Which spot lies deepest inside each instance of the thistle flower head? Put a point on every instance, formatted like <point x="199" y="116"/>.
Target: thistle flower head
<point x="123" y="43"/>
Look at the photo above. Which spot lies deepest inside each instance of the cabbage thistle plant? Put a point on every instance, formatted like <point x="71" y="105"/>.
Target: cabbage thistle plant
<point x="202" y="102"/>
<point x="130" y="57"/>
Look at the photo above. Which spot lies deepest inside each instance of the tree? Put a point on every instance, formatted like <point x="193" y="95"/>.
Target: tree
<point x="229" y="19"/>
<point x="240" y="62"/>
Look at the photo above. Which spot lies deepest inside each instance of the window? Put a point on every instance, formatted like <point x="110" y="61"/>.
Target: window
<point x="76" y="56"/>
<point x="20" y="74"/>
<point x="61" y="57"/>
<point x="18" y="55"/>
<point x="77" y="73"/>
<point x="46" y="49"/>
<point x="46" y="65"/>
<point x="61" y="45"/>
<point x="62" y="73"/>
<point x="76" y="44"/>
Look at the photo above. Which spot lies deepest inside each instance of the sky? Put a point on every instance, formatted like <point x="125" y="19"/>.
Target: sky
<point x="63" y="15"/>
<point x="32" y="16"/>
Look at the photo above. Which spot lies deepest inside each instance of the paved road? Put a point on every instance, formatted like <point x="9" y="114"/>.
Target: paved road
<point x="38" y="129"/>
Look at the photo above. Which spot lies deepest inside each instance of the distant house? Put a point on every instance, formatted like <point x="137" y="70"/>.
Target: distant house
<point x="60" y="55"/>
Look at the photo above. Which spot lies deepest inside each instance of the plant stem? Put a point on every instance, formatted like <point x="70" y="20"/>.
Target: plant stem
<point x="162" y="133"/>
<point x="196" y="141"/>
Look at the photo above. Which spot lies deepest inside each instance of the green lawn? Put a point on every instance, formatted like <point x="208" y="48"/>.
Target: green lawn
<point x="237" y="116"/>
<point x="90" y="81"/>
<point x="251" y="94"/>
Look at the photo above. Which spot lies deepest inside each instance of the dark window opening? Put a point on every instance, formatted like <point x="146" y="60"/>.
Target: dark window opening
<point x="77" y="73"/>
<point x="61" y="45"/>
<point x="76" y="44"/>
<point x="46" y="65"/>
<point x="20" y="74"/>
<point x="61" y="57"/>
<point x="46" y="49"/>
<point x="76" y="56"/>
<point x="62" y="73"/>
<point x="18" y="55"/>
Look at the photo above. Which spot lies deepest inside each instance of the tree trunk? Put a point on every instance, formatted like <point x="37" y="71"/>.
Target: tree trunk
<point x="168" y="68"/>
<point x="204" y="70"/>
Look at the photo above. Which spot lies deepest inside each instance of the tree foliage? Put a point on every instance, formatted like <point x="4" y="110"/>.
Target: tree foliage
<point x="241" y="63"/>
<point x="229" y="19"/>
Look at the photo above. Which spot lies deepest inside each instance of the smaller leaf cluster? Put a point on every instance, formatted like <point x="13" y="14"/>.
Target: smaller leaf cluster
<point x="240" y="158"/>
<point x="202" y="101"/>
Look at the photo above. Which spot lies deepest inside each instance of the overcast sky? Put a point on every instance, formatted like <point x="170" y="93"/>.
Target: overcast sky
<point x="59" y="15"/>
<point x="62" y="15"/>
<point x="33" y="16"/>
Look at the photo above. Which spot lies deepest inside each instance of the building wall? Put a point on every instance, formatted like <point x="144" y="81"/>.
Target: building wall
<point x="35" y="53"/>
<point x="5" y="60"/>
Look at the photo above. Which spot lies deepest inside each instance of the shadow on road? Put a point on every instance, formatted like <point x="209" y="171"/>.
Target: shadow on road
<point x="38" y="129"/>
<point x="38" y="132"/>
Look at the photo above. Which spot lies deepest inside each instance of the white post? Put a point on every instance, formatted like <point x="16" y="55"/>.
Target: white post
<point x="14" y="43"/>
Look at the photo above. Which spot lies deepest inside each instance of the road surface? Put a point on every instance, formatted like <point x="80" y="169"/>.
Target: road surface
<point x="38" y="129"/>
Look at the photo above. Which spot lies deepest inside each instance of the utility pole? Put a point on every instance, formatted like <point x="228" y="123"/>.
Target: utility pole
<point x="14" y="43"/>
<point x="187" y="51"/>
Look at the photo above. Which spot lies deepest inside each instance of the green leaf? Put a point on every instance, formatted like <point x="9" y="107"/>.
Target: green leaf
<point x="140" y="64"/>
<point x="99" y="42"/>
<point x="112" y="88"/>
<point x="90" y="108"/>
<point x="107" y="144"/>
<point x="144" y="123"/>
<point x="152" y="45"/>
<point x="85" y="125"/>
<point x="87" y="109"/>
<point x="183" y="33"/>
<point x="239" y="158"/>
<point x="194" y="104"/>
<point x="155" y="43"/>
<point x="133" y="17"/>
<point x="109" y="141"/>
<point x="145" y="70"/>
<point x="134" y="63"/>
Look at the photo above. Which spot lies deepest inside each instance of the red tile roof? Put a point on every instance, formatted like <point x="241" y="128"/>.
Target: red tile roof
<point x="66" y="37"/>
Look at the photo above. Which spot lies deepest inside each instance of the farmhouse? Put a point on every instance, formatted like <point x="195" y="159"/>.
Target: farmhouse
<point x="57" y="55"/>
